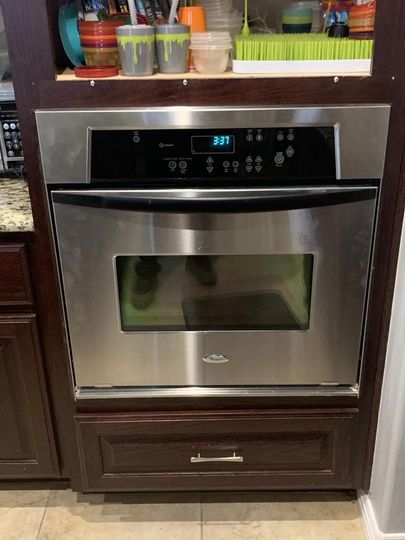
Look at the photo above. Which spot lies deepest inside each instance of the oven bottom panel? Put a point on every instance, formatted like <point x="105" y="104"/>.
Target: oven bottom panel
<point x="326" y="390"/>
<point x="246" y="450"/>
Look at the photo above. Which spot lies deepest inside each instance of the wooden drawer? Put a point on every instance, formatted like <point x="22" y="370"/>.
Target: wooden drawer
<point x="15" y="284"/>
<point x="286" y="449"/>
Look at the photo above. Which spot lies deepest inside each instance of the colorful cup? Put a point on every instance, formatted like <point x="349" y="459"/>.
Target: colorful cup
<point x="297" y="28"/>
<point x="297" y="20"/>
<point x="194" y="17"/>
<point x="137" y="49"/>
<point x="172" y="46"/>
<point x="99" y="42"/>
<point x="101" y="56"/>
<point x="362" y="20"/>
<point x="95" y="28"/>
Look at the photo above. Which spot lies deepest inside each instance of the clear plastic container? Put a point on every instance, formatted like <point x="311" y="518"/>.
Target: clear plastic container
<point x="211" y="60"/>
<point x="209" y="38"/>
<point x="222" y="15"/>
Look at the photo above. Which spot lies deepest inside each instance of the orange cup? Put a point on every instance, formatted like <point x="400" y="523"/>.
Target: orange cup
<point x="194" y="17"/>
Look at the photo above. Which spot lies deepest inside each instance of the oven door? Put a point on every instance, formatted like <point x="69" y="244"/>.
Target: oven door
<point x="215" y="288"/>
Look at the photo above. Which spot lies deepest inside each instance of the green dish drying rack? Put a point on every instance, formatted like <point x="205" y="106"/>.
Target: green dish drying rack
<point x="300" y="47"/>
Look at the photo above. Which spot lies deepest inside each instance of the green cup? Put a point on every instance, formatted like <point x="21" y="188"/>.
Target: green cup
<point x="136" y="46"/>
<point x="172" y="45"/>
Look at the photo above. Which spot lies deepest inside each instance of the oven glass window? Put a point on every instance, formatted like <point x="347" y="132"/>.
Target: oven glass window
<point x="214" y="292"/>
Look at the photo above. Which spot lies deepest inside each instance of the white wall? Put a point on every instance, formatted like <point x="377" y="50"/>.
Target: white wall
<point x="386" y="498"/>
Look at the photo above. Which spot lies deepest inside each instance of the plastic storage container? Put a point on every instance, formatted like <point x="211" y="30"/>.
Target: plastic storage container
<point x="211" y="51"/>
<point x="222" y="16"/>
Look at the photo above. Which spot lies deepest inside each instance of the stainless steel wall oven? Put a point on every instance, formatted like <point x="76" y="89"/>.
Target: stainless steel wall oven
<point x="214" y="251"/>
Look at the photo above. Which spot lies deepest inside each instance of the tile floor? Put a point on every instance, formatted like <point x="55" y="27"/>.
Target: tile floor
<point x="59" y="514"/>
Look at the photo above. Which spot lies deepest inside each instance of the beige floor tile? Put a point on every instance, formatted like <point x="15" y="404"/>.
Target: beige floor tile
<point x="90" y="517"/>
<point x="21" y="512"/>
<point x="284" y="517"/>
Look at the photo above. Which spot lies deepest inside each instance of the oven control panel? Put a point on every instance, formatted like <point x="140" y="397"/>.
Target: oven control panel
<point x="242" y="153"/>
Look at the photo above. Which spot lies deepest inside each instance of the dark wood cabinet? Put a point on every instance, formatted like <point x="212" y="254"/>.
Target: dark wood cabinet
<point x="123" y="445"/>
<point x="26" y="441"/>
<point x="217" y="450"/>
<point x="15" y="284"/>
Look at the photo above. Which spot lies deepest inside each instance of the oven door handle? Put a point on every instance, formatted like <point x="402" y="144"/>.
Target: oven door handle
<point x="205" y="201"/>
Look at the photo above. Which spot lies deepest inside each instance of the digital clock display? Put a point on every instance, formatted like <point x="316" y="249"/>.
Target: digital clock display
<point x="222" y="141"/>
<point x="209" y="144"/>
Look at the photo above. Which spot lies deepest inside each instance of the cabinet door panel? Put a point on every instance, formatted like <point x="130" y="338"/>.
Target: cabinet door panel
<point x="26" y="444"/>
<point x="15" y="283"/>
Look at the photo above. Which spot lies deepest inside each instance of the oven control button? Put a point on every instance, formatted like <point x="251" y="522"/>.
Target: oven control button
<point x="280" y="136"/>
<point x="9" y="144"/>
<point x="235" y="164"/>
<point x="7" y="135"/>
<point x="259" y="159"/>
<point x="210" y="168"/>
<point x="290" y="137"/>
<point x="249" y="137"/>
<point x="10" y="153"/>
<point x="210" y="160"/>
<point x="290" y="151"/>
<point x="183" y="165"/>
<point x="258" y="168"/>
<point x="6" y="126"/>
<point x="279" y="159"/>
<point x="16" y="146"/>
<point x="12" y="126"/>
<point x="172" y="165"/>
<point x="226" y="164"/>
<point x="259" y="137"/>
<point x="249" y="168"/>
<point x="249" y="159"/>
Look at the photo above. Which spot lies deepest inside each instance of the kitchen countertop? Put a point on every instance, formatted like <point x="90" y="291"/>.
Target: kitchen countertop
<point x="15" y="206"/>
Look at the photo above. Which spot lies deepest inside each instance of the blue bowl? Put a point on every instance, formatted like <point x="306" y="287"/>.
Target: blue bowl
<point x="69" y="33"/>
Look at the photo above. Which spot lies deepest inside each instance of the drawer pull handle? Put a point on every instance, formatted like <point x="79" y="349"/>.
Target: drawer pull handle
<point x="231" y="459"/>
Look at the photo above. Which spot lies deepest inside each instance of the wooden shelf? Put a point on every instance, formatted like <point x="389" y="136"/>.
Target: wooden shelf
<point x="68" y="75"/>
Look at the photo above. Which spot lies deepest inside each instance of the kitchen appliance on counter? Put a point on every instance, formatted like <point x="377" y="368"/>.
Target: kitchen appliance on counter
<point x="11" y="146"/>
<point x="11" y="152"/>
<point x="214" y="251"/>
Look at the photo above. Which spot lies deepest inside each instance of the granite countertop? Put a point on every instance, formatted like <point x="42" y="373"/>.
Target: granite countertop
<point x="15" y="206"/>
